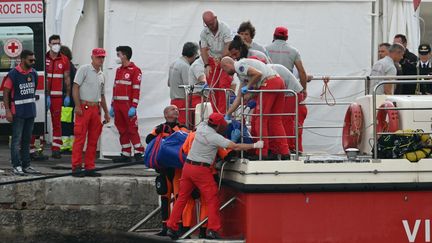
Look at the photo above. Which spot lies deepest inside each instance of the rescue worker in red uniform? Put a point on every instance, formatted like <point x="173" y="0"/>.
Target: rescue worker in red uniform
<point x="170" y="176"/>
<point x="214" y="40"/>
<point x="89" y="97"/>
<point x="255" y="74"/>
<point x="198" y="174"/>
<point x="126" y="94"/>
<point x="189" y="215"/>
<point x="58" y="80"/>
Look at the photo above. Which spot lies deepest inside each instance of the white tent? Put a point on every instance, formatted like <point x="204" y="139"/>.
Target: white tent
<point x="334" y="38"/>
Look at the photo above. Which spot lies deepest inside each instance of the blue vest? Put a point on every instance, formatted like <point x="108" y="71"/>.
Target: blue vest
<point x="24" y="93"/>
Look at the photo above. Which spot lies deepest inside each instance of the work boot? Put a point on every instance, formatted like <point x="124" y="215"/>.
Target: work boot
<point x="92" y="173"/>
<point x="56" y="155"/>
<point x="211" y="234"/>
<point x="183" y="231"/>
<point x="172" y="234"/>
<point x="138" y="157"/>
<point x="78" y="172"/>
<point x="202" y="233"/>
<point x="37" y="156"/>
<point x="122" y="159"/>
<point x="293" y="152"/>
<point x="271" y="156"/>
<point x="163" y="231"/>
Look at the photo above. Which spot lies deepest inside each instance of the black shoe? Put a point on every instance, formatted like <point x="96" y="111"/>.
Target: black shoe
<point x="285" y="157"/>
<point x="36" y="156"/>
<point x="122" y="159"/>
<point x="183" y="231"/>
<point x="163" y="231"/>
<point x="211" y="234"/>
<point x="78" y="172"/>
<point x="138" y="157"/>
<point x="251" y="157"/>
<point x="92" y="173"/>
<point x="56" y="155"/>
<point x="202" y="233"/>
<point x="293" y="152"/>
<point x="172" y="234"/>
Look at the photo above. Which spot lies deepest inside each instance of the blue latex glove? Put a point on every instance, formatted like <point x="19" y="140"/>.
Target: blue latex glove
<point x="227" y="117"/>
<point x="48" y="102"/>
<point x="244" y="89"/>
<point x="235" y="135"/>
<point x="66" y="101"/>
<point x="205" y="86"/>
<point x="111" y="112"/>
<point x="232" y="98"/>
<point x="251" y="104"/>
<point x="132" y="112"/>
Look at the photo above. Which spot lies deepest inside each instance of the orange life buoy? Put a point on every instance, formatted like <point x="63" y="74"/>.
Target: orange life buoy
<point x="392" y="125"/>
<point x="353" y="125"/>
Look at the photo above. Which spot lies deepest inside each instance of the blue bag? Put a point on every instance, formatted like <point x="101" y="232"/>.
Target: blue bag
<point x="236" y="125"/>
<point x="170" y="154"/>
<point x="151" y="152"/>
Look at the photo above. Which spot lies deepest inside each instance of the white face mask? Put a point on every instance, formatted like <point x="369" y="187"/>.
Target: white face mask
<point x="118" y="60"/>
<point x="55" y="48"/>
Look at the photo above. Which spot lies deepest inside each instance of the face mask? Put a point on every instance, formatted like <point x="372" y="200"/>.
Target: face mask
<point x="55" y="48"/>
<point x="118" y="60"/>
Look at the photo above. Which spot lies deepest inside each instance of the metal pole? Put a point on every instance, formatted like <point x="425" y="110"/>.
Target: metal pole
<point x="187" y="107"/>
<point x="406" y="77"/>
<point x="189" y="232"/>
<point x="147" y="218"/>
<point x="374" y="122"/>
<point x="261" y="123"/>
<point x="241" y="124"/>
<point x="296" y="127"/>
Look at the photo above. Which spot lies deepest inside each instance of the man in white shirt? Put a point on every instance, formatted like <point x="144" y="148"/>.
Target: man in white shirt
<point x="215" y="38"/>
<point x="386" y="67"/>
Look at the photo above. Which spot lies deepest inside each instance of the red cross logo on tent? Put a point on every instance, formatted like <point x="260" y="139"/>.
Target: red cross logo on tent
<point x="13" y="47"/>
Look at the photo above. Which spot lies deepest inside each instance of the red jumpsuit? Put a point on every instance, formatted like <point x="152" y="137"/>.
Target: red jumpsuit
<point x="55" y="70"/>
<point x="272" y="125"/>
<point x="88" y="124"/>
<point x="126" y="93"/>
<point x="218" y="78"/>
<point x="289" y="121"/>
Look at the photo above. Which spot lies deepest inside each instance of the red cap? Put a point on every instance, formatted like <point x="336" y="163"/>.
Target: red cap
<point x="217" y="119"/>
<point x="98" y="52"/>
<point x="259" y="59"/>
<point x="281" y="31"/>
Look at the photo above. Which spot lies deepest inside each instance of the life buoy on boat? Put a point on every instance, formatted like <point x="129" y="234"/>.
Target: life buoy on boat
<point x="387" y="120"/>
<point x="353" y="125"/>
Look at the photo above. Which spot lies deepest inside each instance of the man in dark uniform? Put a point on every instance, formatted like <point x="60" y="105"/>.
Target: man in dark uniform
<point x="424" y="67"/>
<point x="408" y="64"/>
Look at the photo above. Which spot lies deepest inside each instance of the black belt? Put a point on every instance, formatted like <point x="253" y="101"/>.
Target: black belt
<point x="197" y="163"/>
